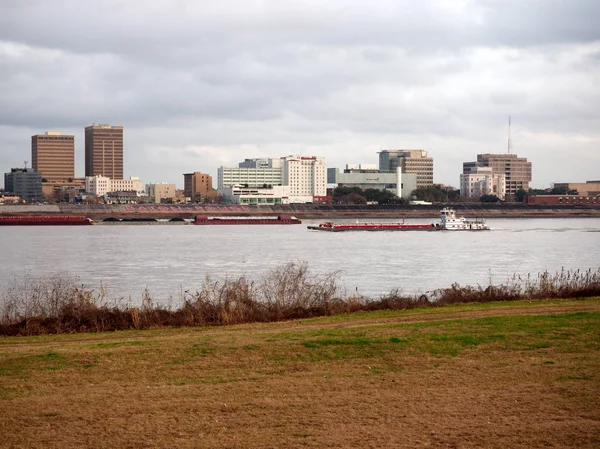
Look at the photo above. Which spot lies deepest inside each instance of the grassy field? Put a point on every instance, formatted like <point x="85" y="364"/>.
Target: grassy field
<point x="519" y="374"/>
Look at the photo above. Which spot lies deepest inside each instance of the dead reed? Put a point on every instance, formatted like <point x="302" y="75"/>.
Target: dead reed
<point x="59" y="304"/>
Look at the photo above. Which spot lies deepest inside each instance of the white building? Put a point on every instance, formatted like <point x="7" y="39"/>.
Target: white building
<point x="97" y="185"/>
<point x="239" y="194"/>
<point x="304" y="175"/>
<point x="479" y="181"/>
<point x="100" y="185"/>
<point x="251" y="176"/>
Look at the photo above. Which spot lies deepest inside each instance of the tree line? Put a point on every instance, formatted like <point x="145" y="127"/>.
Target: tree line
<point x="433" y="194"/>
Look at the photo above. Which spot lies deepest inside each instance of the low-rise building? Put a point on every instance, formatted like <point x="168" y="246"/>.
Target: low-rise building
<point x="588" y="188"/>
<point x="239" y="194"/>
<point x="9" y="199"/>
<point x="65" y="190"/>
<point x="554" y="200"/>
<point x="122" y="197"/>
<point x="99" y="185"/>
<point x="161" y="192"/>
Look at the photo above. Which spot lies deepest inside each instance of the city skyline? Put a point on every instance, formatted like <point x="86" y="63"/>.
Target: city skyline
<point x="198" y="86"/>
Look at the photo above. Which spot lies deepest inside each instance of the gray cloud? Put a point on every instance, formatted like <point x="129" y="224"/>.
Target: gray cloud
<point x="200" y="84"/>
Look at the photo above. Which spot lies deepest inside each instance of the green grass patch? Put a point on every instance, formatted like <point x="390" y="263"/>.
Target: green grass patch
<point x="338" y="342"/>
<point x="398" y="340"/>
<point x="281" y="350"/>
<point x="22" y="365"/>
<point x="120" y="344"/>
<point x="445" y="338"/>
<point x="568" y="378"/>
<point x="203" y="348"/>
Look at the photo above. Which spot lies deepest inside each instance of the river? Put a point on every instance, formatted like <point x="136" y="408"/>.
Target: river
<point x="170" y="259"/>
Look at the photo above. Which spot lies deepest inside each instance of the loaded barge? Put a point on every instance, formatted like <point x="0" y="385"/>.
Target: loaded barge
<point x="340" y="227"/>
<point x="281" y="220"/>
<point x="44" y="220"/>
<point x="448" y="222"/>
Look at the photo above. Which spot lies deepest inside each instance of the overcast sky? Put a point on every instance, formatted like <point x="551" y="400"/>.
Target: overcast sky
<point x="200" y="84"/>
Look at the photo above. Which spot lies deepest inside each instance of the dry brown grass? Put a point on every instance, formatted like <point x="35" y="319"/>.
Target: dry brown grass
<point x="524" y="374"/>
<point x="34" y="306"/>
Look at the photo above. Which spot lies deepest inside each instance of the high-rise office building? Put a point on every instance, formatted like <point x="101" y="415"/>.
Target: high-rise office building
<point x="53" y="156"/>
<point x="516" y="170"/>
<point x="410" y="161"/>
<point x="104" y="151"/>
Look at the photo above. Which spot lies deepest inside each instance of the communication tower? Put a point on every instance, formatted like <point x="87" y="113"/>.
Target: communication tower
<point x="509" y="142"/>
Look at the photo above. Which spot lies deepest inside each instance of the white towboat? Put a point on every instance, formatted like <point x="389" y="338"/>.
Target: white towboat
<point x="449" y="222"/>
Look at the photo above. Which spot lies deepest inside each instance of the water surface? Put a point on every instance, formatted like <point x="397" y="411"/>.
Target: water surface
<point x="169" y="259"/>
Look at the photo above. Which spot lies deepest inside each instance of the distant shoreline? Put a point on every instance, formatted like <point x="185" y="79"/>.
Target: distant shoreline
<point x="304" y="211"/>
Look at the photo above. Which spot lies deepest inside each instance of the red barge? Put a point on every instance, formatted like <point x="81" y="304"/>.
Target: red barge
<point x="44" y="220"/>
<point x="281" y="220"/>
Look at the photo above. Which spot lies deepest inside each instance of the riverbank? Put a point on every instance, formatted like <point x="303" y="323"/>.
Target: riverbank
<point x="303" y="211"/>
<point x="521" y="374"/>
<point x="60" y="304"/>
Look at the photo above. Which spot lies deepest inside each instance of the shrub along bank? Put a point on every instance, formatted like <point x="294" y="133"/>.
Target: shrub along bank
<point x="34" y="306"/>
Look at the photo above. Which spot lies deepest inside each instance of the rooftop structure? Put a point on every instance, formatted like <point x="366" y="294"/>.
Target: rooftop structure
<point x="260" y="163"/>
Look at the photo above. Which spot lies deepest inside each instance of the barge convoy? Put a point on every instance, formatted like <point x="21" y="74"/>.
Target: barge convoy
<point x="279" y="220"/>
<point x="448" y="222"/>
<point x="44" y="220"/>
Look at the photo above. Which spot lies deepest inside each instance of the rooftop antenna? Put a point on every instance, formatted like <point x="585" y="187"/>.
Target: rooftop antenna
<point x="509" y="142"/>
<point x="26" y="163"/>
